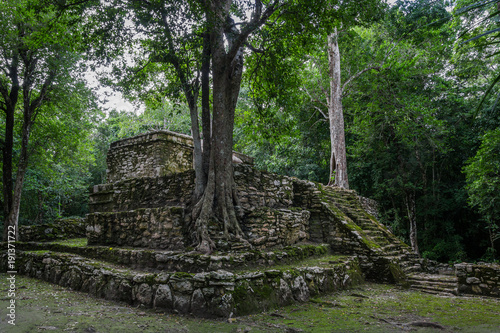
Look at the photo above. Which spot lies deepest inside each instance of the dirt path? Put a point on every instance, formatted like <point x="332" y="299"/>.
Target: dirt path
<point x="42" y="307"/>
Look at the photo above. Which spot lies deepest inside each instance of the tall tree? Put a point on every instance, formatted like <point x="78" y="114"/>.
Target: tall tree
<point x="338" y="158"/>
<point x="405" y="129"/>
<point x="223" y="29"/>
<point x="335" y="114"/>
<point x="483" y="184"/>
<point x="37" y="59"/>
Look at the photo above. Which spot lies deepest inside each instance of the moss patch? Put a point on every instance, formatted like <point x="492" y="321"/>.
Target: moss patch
<point x="369" y="308"/>
<point x="75" y="242"/>
<point x="324" y="261"/>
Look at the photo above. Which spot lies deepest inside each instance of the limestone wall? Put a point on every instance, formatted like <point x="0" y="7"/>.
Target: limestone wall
<point x="258" y="188"/>
<point x="152" y="154"/>
<point x="255" y="189"/>
<point x="158" y="228"/>
<point x="146" y="192"/>
<point x="184" y="261"/>
<point x="266" y="201"/>
<point x="479" y="279"/>
<point x="59" y="229"/>
<point x="276" y="210"/>
<point x="267" y="227"/>
<point x="217" y="293"/>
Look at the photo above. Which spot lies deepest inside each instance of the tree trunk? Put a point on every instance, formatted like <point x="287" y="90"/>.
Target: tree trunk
<point x="12" y="219"/>
<point x="7" y="170"/>
<point x="219" y="200"/>
<point x="411" y="208"/>
<point x="338" y="159"/>
<point x="11" y="99"/>
<point x="200" y="179"/>
<point x="206" y="119"/>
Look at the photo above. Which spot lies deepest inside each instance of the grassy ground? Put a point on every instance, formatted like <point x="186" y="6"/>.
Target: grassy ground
<point x="44" y="307"/>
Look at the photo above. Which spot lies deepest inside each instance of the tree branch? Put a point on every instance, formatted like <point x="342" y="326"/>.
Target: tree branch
<point x="358" y="74"/>
<point x="256" y="22"/>
<point x="315" y="100"/>
<point x="34" y="106"/>
<point x="254" y="49"/>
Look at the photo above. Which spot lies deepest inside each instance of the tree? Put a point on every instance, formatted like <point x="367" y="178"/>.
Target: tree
<point x="223" y="29"/>
<point x="338" y="159"/>
<point x="61" y="156"/>
<point x="478" y="22"/>
<point x="483" y="184"/>
<point x="335" y="115"/>
<point x="38" y="56"/>
<point x="406" y="133"/>
<point x="409" y="127"/>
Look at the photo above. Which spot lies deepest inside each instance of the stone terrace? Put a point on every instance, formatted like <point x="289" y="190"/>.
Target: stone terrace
<point x="305" y="239"/>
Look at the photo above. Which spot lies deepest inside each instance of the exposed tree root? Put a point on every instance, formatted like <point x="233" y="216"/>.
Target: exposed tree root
<point x="217" y="203"/>
<point x="425" y="324"/>
<point x="407" y="326"/>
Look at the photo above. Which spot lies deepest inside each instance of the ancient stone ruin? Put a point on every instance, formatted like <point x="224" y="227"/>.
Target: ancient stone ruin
<point x="150" y="180"/>
<point x="306" y="239"/>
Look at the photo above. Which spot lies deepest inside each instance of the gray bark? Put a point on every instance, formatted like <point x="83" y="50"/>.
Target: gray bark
<point x="411" y="208"/>
<point x="220" y="200"/>
<point x="338" y="159"/>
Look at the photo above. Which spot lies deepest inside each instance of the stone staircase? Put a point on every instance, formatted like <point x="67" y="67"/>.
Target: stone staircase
<point x="434" y="283"/>
<point x="419" y="274"/>
<point x="387" y="244"/>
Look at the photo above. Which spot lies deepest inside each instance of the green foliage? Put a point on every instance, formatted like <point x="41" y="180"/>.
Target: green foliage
<point x="408" y="124"/>
<point x="483" y="176"/>
<point x="483" y="183"/>
<point x="478" y="22"/>
<point x="282" y="141"/>
<point x="42" y="89"/>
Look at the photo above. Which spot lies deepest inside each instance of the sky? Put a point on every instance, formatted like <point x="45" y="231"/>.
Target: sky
<point x="110" y="99"/>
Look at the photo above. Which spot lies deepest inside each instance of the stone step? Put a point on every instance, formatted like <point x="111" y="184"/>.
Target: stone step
<point x="412" y="269"/>
<point x="378" y="239"/>
<point x="433" y="283"/>
<point x="396" y="255"/>
<point x="433" y="278"/>
<point x="435" y="289"/>
<point x="207" y="294"/>
<point x="369" y="226"/>
<point x="193" y="262"/>
<point x="394" y="247"/>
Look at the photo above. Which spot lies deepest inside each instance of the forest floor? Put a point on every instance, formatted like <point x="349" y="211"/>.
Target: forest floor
<point x="43" y="307"/>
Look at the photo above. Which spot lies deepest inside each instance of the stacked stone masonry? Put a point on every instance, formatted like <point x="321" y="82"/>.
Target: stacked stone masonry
<point x="142" y="211"/>
<point x="190" y="262"/>
<point x="478" y="279"/>
<point x="151" y="155"/>
<point x="210" y="294"/>
<point x="145" y="185"/>
<point x="59" y="229"/>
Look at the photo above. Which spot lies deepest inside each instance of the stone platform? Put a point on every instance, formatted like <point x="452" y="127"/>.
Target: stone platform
<point x="222" y="285"/>
<point x="303" y="239"/>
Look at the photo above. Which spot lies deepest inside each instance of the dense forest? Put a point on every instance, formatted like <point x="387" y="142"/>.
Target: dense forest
<point x="416" y="83"/>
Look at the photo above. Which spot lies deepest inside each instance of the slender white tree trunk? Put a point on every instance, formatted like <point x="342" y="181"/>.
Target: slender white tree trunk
<point x="338" y="159"/>
<point x="411" y="208"/>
